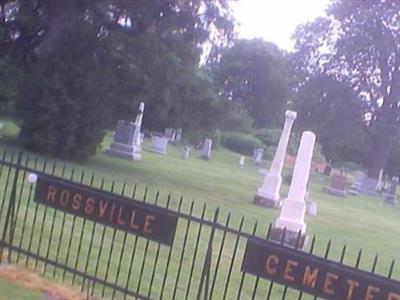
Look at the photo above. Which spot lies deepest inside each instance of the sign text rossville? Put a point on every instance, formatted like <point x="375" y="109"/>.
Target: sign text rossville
<point x="315" y="275"/>
<point x="104" y="207"/>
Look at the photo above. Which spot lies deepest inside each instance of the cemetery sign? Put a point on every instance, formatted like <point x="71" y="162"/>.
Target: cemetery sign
<point x="107" y="208"/>
<point x="315" y="275"/>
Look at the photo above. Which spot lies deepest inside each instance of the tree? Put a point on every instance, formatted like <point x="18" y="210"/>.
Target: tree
<point x="359" y="43"/>
<point x="332" y="110"/>
<point x="253" y="74"/>
<point x="87" y="63"/>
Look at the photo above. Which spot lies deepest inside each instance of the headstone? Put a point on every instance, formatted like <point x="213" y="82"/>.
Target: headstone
<point x="1" y="127"/>
<point x="338" y="186"/>
<point x="262" y="171"/>
<point x="141" y="138"/>
<point x="170" y="134"/>
<point x="291" y="217"/>
<point x="185" y="152"/>
<point x="311" y="208"/>
<point x="268" y="193"/>
<point x="178" y="137"/>
<point x="159" y="144"/>
<point x="206" y="151"/>
<point x="241" y="162"/>
<point x="390" y="194"/>
<point x="258" y="156"/>
<point x="327" y="170"/>
<point x="127" y="138"/>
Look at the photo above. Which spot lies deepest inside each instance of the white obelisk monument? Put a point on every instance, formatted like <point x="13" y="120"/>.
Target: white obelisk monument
<point x="268" y="193"/>
<point x="294" y="207"/>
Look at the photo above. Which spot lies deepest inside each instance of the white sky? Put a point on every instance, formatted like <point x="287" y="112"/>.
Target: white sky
<point x="275" y="20"/>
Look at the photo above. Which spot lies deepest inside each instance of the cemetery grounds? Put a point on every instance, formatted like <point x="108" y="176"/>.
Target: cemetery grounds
<point x="199" y="187"/>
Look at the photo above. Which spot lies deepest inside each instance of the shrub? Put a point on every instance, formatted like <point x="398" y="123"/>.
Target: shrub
<point x="240" y="142"/>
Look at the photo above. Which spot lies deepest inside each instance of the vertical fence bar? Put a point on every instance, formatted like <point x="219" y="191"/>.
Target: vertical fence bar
<point x="205" y="275"/>
<point x="10" y="213"/>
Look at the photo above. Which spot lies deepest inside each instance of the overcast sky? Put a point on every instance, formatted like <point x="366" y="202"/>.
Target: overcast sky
<point x="275" y="20"/>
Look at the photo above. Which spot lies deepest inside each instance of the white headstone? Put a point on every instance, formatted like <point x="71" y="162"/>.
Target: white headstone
<point x="206" y="151"/>
<point x="311" y="208"/>
<point x="258" y="156"/>
<point x="159" y="144"/>
<point x="268" y="193"/>
<point x="241" y="162"/>
<point x="185" y="152"/>
<point x="294" y="207"/>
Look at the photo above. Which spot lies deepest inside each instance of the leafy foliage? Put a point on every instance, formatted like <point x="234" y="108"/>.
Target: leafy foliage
<point x="253" y="74"/>
<point x="240" y="142"/>
<point x="358" y="43"/>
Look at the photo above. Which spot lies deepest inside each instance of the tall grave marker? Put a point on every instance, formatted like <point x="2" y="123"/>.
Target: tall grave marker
<point x="127" y="140"/>
<point x="291" y="217"/>
<point x="268" y="193"/>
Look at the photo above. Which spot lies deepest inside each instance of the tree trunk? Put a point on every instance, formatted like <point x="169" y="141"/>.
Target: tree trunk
<point x="382" y="142"/>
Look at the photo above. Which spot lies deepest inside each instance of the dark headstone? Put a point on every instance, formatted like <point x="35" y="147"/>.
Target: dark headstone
<point x="327" y="170"/>
<point x="338" y="186"/>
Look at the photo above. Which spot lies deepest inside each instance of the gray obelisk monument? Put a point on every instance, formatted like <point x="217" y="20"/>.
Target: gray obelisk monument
<point x="268" y="193"/>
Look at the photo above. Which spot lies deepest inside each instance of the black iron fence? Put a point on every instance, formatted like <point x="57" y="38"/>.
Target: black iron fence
<point x="204" y="261"/>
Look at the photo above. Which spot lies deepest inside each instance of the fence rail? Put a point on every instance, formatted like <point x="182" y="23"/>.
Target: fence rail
<point x="204" y="261"/>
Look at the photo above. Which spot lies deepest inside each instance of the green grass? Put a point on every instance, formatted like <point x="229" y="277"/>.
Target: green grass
<point x="356" y="221"/>
<point x="9" y="290"/>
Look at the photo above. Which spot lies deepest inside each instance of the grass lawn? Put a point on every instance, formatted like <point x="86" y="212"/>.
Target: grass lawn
<point x="356" y="221"/>
<point x="9" y="290"/>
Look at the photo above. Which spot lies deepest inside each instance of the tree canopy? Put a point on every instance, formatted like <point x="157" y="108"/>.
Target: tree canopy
<point x="358" y="43"/>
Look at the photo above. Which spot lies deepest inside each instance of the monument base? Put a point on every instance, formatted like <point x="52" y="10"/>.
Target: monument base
<point x="124" y="151"/>
<point x="291" y="239"/>
<point x="265" y="202"/>
<point x="334" y="192"/>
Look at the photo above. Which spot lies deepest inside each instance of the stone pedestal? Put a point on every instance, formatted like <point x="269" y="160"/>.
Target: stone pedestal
<point x="293" y="208"/>
<point x="206" y="151"/>
<point x="268" y="193"/>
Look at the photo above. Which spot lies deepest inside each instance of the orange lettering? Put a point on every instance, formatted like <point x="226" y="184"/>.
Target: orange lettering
<point x="64" y="198"/>
<point x="132" y="221"/>
<point x="393" y="296"/>
<point x="310" y="278"/>
<point x="120" y="221"/>
<point x="111" y="214"/>
<point x="329" y="280"/>
<point x="51" y="193"/>
<point x="370" y="292"/>
<point x="102" y="209"/>
<point x="271" y="263"/>
<point x="89" y="205"/>
<point x="76" y="201"/>
<point x="290" y="264"/>
<point x="352" y="285"/>
<point x="147" y="222"/>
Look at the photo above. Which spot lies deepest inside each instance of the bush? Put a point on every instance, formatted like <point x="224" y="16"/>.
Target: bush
<point x="240" y="142"/>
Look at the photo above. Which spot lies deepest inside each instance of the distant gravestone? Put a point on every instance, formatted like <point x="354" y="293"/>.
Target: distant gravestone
<point x="185" y="152"/>
<point x="338" y="186"/>
<point x="311" y="208"/>
<point x="241" y="162"/>
<point x="170" y="134"/>
<point x="159" y="144"/>
<point x="206" y="151"/>
<point x="178" y="137"/>
<point x="258" y="156"/>
<point x="327" y="170"/>
<point x="390" y="194"/>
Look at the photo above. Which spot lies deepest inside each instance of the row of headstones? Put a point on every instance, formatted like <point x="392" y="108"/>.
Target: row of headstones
<point x="387" y="187"/>
<point x="128" y="138"/>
